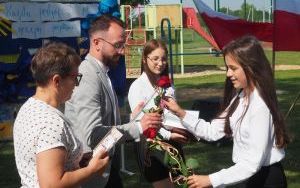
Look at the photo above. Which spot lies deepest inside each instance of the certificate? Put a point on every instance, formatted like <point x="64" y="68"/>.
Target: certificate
<point x="109" y="141"/>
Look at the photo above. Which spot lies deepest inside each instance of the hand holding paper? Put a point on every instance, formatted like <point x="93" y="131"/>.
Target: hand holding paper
<point x="108" y="142"/>
<point x="98" y="162"/>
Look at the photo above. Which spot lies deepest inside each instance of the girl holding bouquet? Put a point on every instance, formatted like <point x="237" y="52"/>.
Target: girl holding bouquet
<point x="154" y="67"/>
<point x="250" y="115"/>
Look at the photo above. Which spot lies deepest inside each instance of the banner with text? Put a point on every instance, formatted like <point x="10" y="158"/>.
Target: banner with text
<point x="29" y="11"/>
<point x="36" y="30"/>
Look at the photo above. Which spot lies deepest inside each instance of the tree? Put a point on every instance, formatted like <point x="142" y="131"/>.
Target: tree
<point x="246" y="7"/>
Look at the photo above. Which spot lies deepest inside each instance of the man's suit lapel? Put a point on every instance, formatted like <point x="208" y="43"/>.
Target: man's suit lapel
<point x="118" y="117"/>
<point x="104" y="81"/>
<point x="106" y="85"/>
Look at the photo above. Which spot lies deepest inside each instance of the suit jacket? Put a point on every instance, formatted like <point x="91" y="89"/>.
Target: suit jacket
<point x="91" y="110"/>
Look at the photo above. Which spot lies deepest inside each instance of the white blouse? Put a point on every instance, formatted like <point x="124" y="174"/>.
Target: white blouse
<point x="141" y="90"/>
<point x="253" y="139"/>
<point x="37" y="128"/>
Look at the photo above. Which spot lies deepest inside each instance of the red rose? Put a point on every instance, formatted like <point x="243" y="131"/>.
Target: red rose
<point x="164" y="82"/>
<point x="150" y="133"/>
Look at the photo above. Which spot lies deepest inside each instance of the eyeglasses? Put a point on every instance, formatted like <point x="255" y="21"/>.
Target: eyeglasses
<point x="156" y="60"/>
<point x="77" y="78"/>
<point x="118" y="46"/>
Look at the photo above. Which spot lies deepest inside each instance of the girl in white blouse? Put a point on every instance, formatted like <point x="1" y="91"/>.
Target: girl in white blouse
<point x="250" y="115"/>
<point x="154" y="65"/>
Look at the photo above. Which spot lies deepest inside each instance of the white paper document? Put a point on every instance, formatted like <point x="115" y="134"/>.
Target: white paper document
<point x="109" y="141"/>
<point x="172" y="121"/>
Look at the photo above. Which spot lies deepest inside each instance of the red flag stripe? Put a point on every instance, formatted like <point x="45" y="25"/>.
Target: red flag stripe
<point x="225" y="28"/>
<point x="287" y="25"/>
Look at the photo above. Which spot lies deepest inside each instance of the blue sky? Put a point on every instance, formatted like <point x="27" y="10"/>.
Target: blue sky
<point x="232" y="4"/>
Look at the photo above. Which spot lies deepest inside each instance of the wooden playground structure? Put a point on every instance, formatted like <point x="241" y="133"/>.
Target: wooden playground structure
<point x="144" y="22"/>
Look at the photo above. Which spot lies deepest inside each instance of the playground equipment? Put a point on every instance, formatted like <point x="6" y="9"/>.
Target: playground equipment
<point x="178" y="17"/>
<point x="172" y="13"/>
<point x="135" y="36"/>
<point x="163" y="36"/>
<point x="153" y="14"/>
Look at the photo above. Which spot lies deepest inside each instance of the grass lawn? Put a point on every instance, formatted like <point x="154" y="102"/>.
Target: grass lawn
<point x="193" y="43"/>
<point x="211" y="157"/>
<point x="288" y="82"/>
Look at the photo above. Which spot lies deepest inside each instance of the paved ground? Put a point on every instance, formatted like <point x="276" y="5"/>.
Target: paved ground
<point x="198" y="71"/>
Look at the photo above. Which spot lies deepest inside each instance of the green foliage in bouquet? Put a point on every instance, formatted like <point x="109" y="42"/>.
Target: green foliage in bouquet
<point x="179" y="170"/>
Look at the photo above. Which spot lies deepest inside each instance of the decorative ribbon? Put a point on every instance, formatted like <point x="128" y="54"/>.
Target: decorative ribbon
<point x="176" y="172"/>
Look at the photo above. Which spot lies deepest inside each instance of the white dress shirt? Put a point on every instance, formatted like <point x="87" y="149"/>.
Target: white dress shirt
<point x="253" y="139"/>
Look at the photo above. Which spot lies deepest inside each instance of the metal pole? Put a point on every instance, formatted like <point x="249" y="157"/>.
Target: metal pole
<point x="252" y="8"/>
<point x="181" y="50"/>
<point x="123" y="168"/>
<point x="176" y="49"/>
<point x="274" y="40"/>
<point x="163" y="36"/>
<point x="245" y="9"/>
<point x="181" y="42"/>
<point x="264" y="9"/>
<point x="271" y="10"/>
<point x="215" y="5"/>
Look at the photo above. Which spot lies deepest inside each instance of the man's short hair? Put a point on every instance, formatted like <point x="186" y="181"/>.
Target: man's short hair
<point x="103" y="22"/>
<point x="53" y="58"/>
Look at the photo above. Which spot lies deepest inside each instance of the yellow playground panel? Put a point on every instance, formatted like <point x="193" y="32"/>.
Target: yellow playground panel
<point x="155" y="13"/>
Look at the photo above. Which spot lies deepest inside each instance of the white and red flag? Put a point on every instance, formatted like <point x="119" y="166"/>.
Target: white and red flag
<point x="287" y="25"/>
<point x="225" y="28"/>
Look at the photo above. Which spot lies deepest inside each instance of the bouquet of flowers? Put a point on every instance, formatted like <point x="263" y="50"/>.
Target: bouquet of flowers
<point x="179" y="170"/>
<point x="163" y="84"/>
